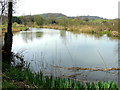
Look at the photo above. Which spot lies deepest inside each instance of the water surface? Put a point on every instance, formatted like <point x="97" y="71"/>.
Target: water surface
<point x="46" y="48"/>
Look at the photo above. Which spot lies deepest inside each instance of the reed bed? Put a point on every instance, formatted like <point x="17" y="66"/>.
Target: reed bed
<point x="14" y="75"/>
<point x="94" y="29"/>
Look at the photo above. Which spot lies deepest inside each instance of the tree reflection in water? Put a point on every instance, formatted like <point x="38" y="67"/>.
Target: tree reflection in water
<point x="30" y="36"/>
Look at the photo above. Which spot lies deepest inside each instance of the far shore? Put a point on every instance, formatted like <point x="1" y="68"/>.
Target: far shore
<point x="81" y="29"/>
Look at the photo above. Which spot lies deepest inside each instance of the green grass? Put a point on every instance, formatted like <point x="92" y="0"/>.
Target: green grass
<point x="23" y="28"/>
<point x="15" y="27"/>
<point x="107" y="32"/>
<point x="55" y="82"/>
<point x="38" y="80"/>
<point x="6" y="84"/>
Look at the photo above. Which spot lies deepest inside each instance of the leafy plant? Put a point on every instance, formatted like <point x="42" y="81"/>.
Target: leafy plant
<point x="38" y="80"/>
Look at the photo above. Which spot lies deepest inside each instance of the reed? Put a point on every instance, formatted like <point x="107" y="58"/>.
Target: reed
<point x="38" y="80"/>
<point x="94" y="29"/>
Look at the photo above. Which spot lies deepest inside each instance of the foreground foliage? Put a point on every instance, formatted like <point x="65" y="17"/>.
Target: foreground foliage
<point x="14" y="77"/>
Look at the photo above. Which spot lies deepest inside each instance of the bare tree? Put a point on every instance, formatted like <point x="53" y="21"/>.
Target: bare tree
<point x="3" y="6"/>
<point x="4" y="10"/>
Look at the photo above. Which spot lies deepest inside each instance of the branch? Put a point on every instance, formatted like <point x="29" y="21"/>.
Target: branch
<point x="3" y="6"/>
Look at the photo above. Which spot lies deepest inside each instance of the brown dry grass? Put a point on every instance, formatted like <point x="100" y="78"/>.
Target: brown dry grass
<point x="93" y="69"/>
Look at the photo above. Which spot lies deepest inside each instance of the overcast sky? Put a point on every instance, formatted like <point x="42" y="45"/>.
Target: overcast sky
<point x="103" y="8"/>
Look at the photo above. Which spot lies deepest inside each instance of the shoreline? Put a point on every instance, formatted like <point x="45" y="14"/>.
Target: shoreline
<point x="79" y="29"/>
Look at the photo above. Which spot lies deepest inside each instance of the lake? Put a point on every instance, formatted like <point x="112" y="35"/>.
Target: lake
<point x="54" y="51"/>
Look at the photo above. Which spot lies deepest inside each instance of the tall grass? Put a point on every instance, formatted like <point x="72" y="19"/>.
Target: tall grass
<point x="92" y="27"/>
<point x="38" y="80"/>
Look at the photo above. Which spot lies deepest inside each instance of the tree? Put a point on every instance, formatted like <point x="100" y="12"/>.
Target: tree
<point x="3" y="5"/>
<point x="39" y="19"/>
<point x="16" y="19"/>
<point x="86" y="19"/>
<point x="3" y="10"/>
<point x="8" y="35"/>
<point x="9" y="28"/>
<point x="51" y="18"/>
<point x="27" y="20"/>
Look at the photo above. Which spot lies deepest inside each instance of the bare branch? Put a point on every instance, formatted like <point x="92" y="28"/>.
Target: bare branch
<point x="3" y="5"/>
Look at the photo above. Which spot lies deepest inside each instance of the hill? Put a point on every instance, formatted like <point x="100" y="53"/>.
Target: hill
<point x="60" y="15"/>
<point x="88" y="17"/>
<point x="56" y="15"/>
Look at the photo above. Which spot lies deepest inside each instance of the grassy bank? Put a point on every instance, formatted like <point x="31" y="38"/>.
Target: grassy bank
<point x="15" y="28"/>
<point x="15" y="77"/>
<point x="99" y="26"/>
<point x="86" y="29"/>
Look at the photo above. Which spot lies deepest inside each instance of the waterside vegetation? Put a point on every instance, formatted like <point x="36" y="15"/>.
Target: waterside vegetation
<point x="19" y="77"/>
<point x="15" y="28"/>
<point x="84" y="24"/>
<point x="15" y="77"/>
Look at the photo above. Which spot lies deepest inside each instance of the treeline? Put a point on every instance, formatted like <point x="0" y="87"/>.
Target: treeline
<point x="41" y="20"/>
<point x="53" y="18"/>
<point x="60" y="21"/>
